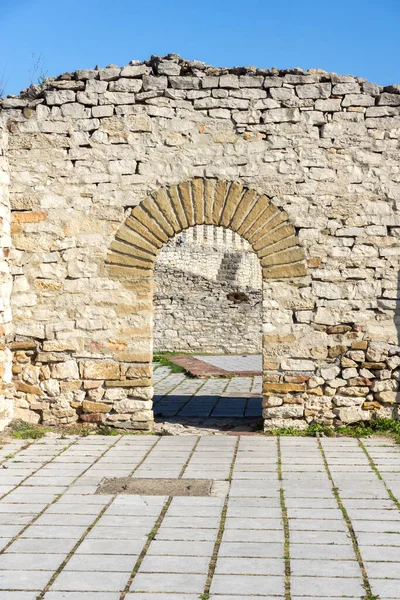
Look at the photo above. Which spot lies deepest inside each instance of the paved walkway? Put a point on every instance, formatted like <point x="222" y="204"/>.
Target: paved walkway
<point x="251" y="362"/>
<point x="303" y="519"/>
<point x="179" y="396"/>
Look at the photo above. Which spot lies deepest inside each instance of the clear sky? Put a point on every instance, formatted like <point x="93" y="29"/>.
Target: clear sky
<point x="360" y="37"/>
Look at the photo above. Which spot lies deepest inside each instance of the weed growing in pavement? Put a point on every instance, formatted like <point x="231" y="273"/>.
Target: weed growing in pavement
<point x="26" y="431"/>
<point x="388" y="427"/>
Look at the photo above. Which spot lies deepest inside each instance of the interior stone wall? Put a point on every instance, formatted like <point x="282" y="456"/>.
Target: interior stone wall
<point x="87" y="152"/>
<point x="197" y="278"/>
<point x="196" y="314"/>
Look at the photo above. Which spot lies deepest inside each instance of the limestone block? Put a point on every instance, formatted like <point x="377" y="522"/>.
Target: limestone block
<point x="131" y="405"/>
<point x="352" y="414"/>
<point x="86" y="74"/>
<point x="27" y="416"/>
<point x="60" y="97"/>
<point x="117" y="98"/>
<point x="346" y="88"/>
<point x="330" y="373"/>
<point x="100" y="370"/>
<point x="75" y="110"/>
<point x="184" y="83"/>
<point x="95" y="407"/>
<point x="287" y="411"/>
<point x="386" y="99"/>
<point x="281" y="115"/>
<point x="65" y="370"/>
<point x="110" y="73"/>
<point x="51" y="387"/>
<point x="358" y="100"/>
<point x="293" y="364"/>
<point x="135" y="70"/>
<point x="125" y="85"/>
<point x="229" y="81"/>
<point x="102" y="111"/>
<point x="314" y="91"/>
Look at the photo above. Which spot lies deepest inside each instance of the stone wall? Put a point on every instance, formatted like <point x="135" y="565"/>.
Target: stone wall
<point x="302" y="164"/>
<point x="6" y="402"/>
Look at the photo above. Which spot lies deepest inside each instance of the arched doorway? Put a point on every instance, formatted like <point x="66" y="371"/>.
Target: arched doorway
<point x="171" y="210"/>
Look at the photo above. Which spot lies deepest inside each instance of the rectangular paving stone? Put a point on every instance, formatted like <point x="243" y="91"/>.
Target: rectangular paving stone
<point x="252" y="535"/>
<point x="249" y="549"/>
<point x="41" y="546"/>
<point x="89" y="581"/>
<point x="174" y="564"/>
<point x="380" y="553"/>
<point x="102" y="563"/>
<point x="333" y="551"/>
<point x="187" y="534"/>
<point x="324" y="568"/>
<point x="179" y="548"/>
<point x="320" y="587"/>
<point x="383" y="570"/>
<point x="120" y="547"/>
<point x="176" y="582"/>
<point x="30" y="562"/>
<point x="81" y="596"/>
<point x="18" y="595"/>
<point x="24" y="580"/>
<point x="144" y="596"/>
<point x="385" y="588"/>
<point x="247" y="585"/>
<point x="249" y="566"/>
<point x="319" y="537"/>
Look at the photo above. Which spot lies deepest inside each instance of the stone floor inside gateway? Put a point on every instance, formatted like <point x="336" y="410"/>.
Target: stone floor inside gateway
<point x="291" y="519"/>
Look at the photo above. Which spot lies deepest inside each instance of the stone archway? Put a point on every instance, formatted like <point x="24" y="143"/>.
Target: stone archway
<point x="163" y="214"/>
<point x="212" y="202"/>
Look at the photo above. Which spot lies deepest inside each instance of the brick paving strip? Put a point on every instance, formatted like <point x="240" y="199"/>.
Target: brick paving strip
<point x="300" y="519"/>
<point x="198" y="368"/>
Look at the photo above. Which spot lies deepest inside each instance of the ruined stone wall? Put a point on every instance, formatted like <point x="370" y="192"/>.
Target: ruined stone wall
<point x="224" y="260"/>
<point x="321" y="149"/>
<point x="6" y="402"/>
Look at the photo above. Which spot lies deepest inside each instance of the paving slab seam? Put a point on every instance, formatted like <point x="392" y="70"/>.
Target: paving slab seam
<point x="38" y="469"/>
<point x="168" y="392"/>
<point x="23" y="447"/>
<point x="189" y="399"/>
<point x="37" y="516"/>
<point x="156" y="527"/>
<point x="221" y="528"/>
<point x="378" y="474"/>
<point x="95" y="521"/>
<point x="162" y="378"/>
<point x="357" y="552"/>
<point x="285" y="520"/>
<point x="219" y="398"/>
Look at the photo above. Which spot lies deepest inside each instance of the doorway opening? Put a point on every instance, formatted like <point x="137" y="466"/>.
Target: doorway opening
<point x="207" y="331"/>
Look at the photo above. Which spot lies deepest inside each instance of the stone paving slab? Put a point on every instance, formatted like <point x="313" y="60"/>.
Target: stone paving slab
<point x="337" y="538"/>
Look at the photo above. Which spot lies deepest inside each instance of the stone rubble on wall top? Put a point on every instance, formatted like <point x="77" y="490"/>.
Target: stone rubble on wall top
<point x="183" y="74"/>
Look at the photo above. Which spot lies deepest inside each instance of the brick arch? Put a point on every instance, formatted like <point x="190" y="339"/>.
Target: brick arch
<point x="170" y="210"/>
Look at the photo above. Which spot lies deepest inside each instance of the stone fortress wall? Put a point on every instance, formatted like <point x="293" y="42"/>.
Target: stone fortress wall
<point x="195" y="275"/>
<point x="106" y="165"/>
<point x="6" y="403"/>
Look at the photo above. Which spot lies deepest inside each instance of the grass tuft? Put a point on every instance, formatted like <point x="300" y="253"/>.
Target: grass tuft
<point x="164" y="361"/>
<point x="27" y="431"/>
<point x="388" y="427"/>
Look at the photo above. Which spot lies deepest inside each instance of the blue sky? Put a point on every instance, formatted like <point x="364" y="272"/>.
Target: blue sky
<point x="360" y="37"/>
